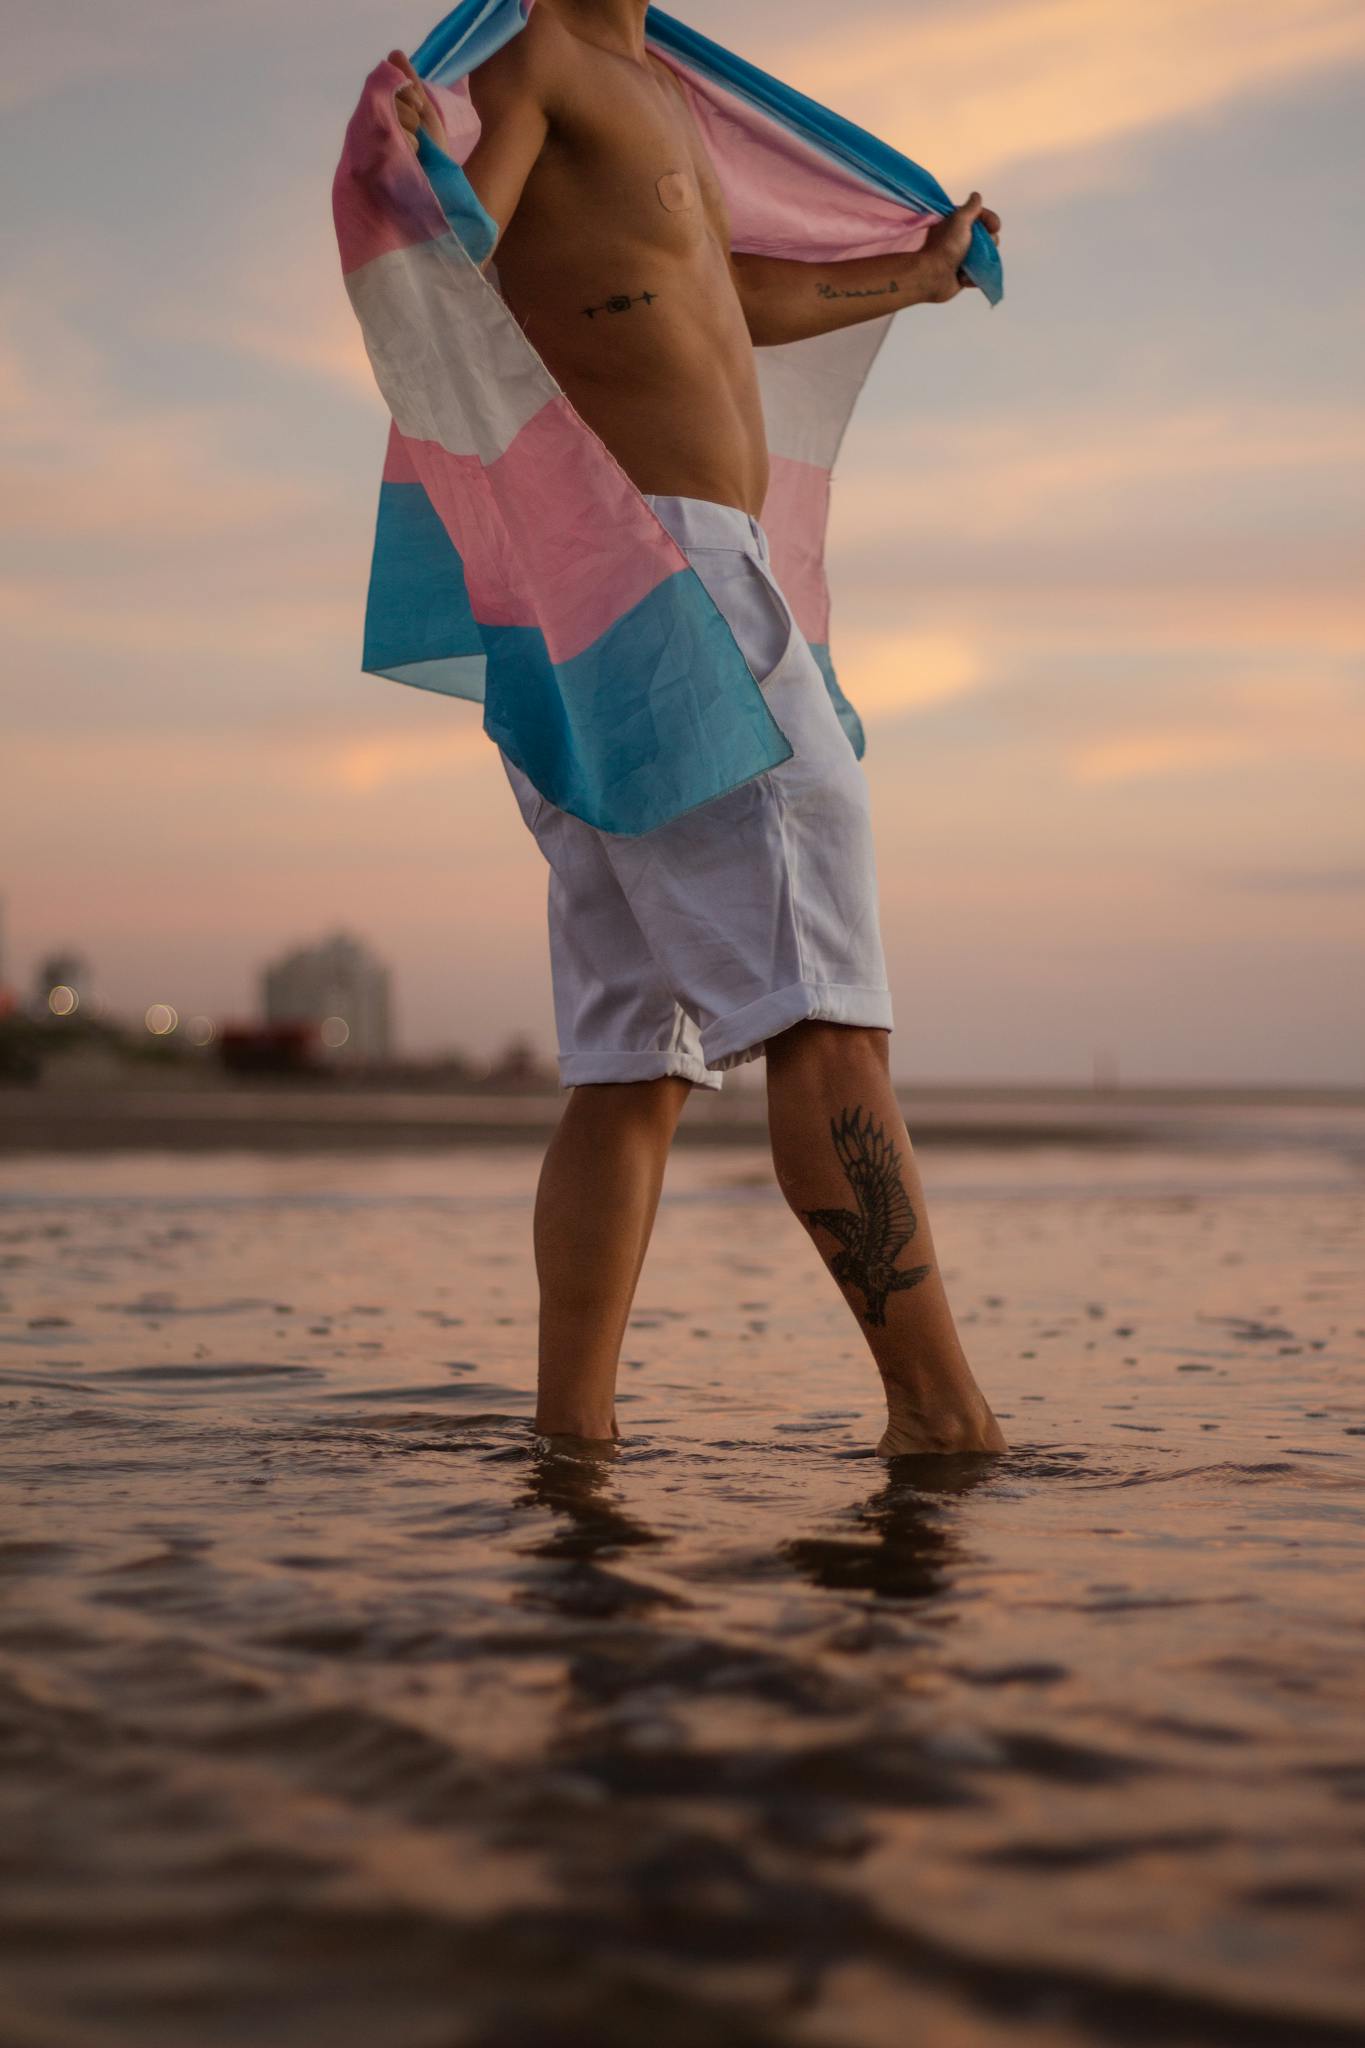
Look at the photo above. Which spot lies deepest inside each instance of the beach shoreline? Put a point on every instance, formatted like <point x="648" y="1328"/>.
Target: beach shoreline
<point x="326" y="1116"/>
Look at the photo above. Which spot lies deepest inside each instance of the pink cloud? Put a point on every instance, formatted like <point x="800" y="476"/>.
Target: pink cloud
<point x="976" y="87"/>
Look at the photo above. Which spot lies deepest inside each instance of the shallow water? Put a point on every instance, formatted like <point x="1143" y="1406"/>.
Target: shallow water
<point x="333" y="1710"/>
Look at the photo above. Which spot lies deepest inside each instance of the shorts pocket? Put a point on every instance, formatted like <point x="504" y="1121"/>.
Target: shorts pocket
<point x="749" y="600"/>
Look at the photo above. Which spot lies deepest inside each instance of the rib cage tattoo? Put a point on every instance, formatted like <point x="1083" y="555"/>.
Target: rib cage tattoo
<point x="873" y="1235"/>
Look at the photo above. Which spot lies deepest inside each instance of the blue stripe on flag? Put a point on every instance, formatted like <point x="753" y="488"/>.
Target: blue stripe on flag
<point x="468" y="37"/>
<point x="623" y="757"/>
<point x="473" y="227"/>
<point x="418" y="612"/>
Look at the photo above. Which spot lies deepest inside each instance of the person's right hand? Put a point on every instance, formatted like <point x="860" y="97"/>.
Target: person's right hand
<point x="416" y="108"/>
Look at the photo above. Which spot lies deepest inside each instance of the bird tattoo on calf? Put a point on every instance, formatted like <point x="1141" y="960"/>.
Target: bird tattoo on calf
<point x="873" y="1235"/>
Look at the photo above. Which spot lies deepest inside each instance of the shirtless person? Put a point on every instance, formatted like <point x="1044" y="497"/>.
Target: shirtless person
<point x="614" y="254"/>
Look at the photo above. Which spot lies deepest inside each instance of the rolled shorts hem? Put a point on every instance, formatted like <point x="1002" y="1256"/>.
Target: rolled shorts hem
<point x="587" y="1069"/>
<point x="730" y="1041"/>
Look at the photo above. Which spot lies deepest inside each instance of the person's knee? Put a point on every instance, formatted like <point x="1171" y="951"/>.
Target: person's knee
<point x="653" y="1104"/>
<point x="820" y="1049"/>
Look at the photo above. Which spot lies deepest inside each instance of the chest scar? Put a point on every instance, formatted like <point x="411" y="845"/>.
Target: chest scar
<point x="675" y="192"/>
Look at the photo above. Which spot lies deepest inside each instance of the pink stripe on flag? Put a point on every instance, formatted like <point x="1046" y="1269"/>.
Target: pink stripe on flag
<point x="381" y="199"/>
<point x="462" y="124"/>
<point x="399" y="466"/>
<point x="795" y="515"/>
<point x="572" y="578"/>
<point x="586" y="569"/>
<point x="784" y="197"/>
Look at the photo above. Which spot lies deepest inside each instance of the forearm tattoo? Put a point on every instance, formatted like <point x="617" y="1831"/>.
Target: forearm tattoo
<point x="873" y="1235"/>
<point x="867" y="291"/>
<point x="621" y="302"/>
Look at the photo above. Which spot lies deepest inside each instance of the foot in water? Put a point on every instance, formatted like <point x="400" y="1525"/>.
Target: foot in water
<point x="960" y="1423"/>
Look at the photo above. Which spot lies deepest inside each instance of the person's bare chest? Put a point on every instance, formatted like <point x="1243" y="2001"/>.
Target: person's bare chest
<point x="625" y="167"/>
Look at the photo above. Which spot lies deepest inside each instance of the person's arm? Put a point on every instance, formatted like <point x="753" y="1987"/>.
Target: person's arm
<point x="510" y="94"/>
<point x="787" y="301"/>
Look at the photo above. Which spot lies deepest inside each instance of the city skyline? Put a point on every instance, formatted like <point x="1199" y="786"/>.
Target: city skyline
<point x="1094" y="555"/>
<point x="329" y="978"/>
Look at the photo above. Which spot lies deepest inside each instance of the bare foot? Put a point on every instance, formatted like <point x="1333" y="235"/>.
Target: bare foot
<point x="961" y="1423"/>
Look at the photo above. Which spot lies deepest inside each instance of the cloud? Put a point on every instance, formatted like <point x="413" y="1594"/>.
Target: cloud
<point x="81" y="40"/>
<point x="1348" y="879"/>
<point x="169" y="478"/>
<point x="291" y="312"/>
<point x="896" y="672"/>
<point x="397" y="760"/>
<point x="203" y="627"/>
<point x="972" y="88"/>
<point x="991" y="476"/>
<point x="1134" y="756"/>
<point x="291" y="758"/>
<point x="155" y="528"/>
<point x="307" y="327"/>
<point x="81" y="459"/>
<point x="1171" y="538"/>
<point x="1293" y="720"/>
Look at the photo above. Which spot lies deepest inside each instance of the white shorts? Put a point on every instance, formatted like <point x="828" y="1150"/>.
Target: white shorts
<point x="683" y="950"/>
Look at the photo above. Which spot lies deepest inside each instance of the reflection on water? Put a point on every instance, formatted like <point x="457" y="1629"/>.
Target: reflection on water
<point x="336" y="1707"/>
<point x="905" y="1546"/>
<point x="575" y="1484"/>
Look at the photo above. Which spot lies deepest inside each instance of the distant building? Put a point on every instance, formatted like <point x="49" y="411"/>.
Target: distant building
<point x="340" y="989"/>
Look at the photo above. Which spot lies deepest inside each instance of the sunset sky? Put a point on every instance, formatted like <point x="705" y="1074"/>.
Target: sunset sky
<point x="1096" y="555"/>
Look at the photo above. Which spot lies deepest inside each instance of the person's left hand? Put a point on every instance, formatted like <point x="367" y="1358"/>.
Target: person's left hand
<point x="991" y="223"/>
<point x="946" y="245"/>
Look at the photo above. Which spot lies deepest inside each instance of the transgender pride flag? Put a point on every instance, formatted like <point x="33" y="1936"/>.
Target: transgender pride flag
<point x="515" y="563"/>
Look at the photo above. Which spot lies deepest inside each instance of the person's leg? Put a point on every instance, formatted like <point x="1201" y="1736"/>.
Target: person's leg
<point x="595" y="1208"/>
<point x="845" y="1164"/>
<point x="630" y="1056"/>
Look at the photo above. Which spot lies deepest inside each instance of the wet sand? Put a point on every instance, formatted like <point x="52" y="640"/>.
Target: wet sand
<point x="333" y="1709"/>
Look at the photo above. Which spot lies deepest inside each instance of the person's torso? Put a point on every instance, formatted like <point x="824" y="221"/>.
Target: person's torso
<point x="617" y="265"/>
